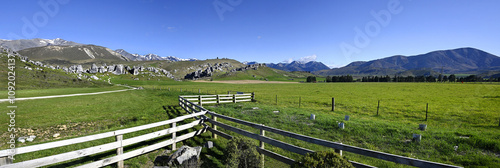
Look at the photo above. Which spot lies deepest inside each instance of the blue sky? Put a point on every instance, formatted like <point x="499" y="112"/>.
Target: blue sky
<point x="335" y="32"/>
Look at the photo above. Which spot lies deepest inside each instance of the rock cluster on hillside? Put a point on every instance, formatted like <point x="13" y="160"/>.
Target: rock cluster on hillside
<point x="115" y="69"/>
<point x="208" y="69"/>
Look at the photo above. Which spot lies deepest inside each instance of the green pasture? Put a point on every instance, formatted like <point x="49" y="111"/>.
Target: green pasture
<point x="463" y="115"/>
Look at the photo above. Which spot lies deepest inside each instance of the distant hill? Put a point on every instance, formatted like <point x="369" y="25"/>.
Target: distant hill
<point x="17" y="45"/>
<point x="150" y="57"/>
<point x="461" y="60"/>
<point x="64" y="55"/>
<point x="299" y="66"/>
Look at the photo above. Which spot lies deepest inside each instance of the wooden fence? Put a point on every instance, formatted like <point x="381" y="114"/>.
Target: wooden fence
<point x="217" y="99"/>
<point x="193" y="108"/>
<point x="118" y="144"/>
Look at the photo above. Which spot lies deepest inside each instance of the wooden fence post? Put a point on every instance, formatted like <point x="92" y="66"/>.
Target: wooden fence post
<point x="199" y="100"/>
<point x="339" y="151"/>
<point x="300" y="99"/>
<point x="119" y="151"/>
<point x="5" y="160"/>
<point x="378" y="106"/>
<point x="333" y="104"/>
<point x="214" y="127"/>
<point x="234" y="98"/>
<point x="174" y="136"/>
<point x="218" y="99"/>
<point x="426" y="111"/>
<point x="253" y="96"/>
<point x="262" y="133"/>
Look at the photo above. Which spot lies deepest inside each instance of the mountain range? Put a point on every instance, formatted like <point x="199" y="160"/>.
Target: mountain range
<point x="455" y="61"/>
<point x="150" y="57"/>
<point x="80" y="54"/>
<point x="23" y="44"/>
<point x="17" y="45"/>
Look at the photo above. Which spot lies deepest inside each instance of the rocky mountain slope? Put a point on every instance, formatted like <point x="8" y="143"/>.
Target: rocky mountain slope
<point x="62" y="55"/>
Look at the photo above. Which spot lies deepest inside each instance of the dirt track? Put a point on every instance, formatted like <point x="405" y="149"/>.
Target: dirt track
<point x="243" y="81"/>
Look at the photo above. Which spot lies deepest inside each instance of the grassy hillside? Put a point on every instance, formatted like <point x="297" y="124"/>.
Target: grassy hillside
<point x="44" y="77"/>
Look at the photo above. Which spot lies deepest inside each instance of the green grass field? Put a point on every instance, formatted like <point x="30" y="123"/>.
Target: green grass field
<point x="463" y="115"/>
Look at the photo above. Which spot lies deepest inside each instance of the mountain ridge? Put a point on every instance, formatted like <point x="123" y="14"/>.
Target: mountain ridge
<point x="299" y="66"/>
<point x="460" y="60"/>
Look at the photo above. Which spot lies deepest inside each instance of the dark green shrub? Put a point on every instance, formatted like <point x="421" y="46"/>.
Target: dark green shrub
<point x="241" y="153"/>
<point x="322" y="159"/>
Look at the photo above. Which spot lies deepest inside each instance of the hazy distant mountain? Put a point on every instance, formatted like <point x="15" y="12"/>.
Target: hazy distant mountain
<point x="17" y="45"/>
<point x="150" y="57"/>
<point x="73" y="54"/>
<point x="461" y="60"/>
<point x="299" y="66"/>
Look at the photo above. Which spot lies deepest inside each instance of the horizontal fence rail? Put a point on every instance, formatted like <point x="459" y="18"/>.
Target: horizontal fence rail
<point x="196" y="107"/>
<point x="119" y="144"/>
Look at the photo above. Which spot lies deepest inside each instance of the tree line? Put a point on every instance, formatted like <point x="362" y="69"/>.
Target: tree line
<point x="430" y="78"/>
<point x="387" y="78"/>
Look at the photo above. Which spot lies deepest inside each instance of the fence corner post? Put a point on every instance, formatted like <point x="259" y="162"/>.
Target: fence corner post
<point x="253" y="96"/>
<point x="119" y="151"/>
<point x="262" y="133"/>
<point x="174" y="136"/>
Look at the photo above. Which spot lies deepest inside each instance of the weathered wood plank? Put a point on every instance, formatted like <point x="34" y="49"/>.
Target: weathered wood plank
<point x="160" y="133"/>
<point x="64" y="156"/>
<point x="56" y="144"/>
<point x="360" y="165"/>
<point x="276" y="156"/>
<point x="210" y="102"/>
<point x="279" y="144"/>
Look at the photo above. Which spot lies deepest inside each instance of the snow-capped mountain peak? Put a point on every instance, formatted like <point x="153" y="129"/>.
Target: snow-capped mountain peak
<point x="150" y="57"/>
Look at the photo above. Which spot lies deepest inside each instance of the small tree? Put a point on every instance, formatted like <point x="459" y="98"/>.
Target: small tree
<point x="241" y="153"/>
<point x="328" y="79"/>
<point x="322" y="159"/>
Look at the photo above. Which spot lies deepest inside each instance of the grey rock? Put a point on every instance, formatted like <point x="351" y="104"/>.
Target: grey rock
<point x="183" y="155"/>
<point x="93" y="69"/>
<point x="209" y="144"/>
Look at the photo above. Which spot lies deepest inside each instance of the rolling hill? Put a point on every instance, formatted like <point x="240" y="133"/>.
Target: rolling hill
<point x="461" y="60"/>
